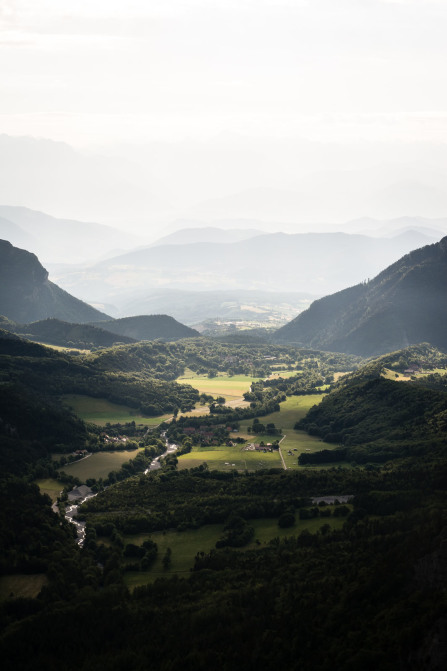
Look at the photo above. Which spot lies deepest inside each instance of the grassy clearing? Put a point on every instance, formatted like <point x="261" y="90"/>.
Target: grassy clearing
<point x="49" y="486"/>
<point x="99" y="464"/>
<point x="186" y="544"/>
<point x="338" y="375"/>
<point x="21" y="586"/>
<point x="60" y="348"/>
<point x="100" y="411"/>
<point x="283" y="373"/>
<point x="392" y="375"/>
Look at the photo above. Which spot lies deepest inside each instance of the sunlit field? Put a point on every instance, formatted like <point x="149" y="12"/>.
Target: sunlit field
<point x="230" y="387"/>
<point x="224" y="458"/>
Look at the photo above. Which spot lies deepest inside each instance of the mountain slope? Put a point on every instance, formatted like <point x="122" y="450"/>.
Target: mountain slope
<point x="149" y="327"/>
<point x="26" y="294"/>
<point x="405" y="304"/>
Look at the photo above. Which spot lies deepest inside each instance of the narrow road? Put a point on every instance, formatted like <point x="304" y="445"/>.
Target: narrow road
<point x="280" y="453"/>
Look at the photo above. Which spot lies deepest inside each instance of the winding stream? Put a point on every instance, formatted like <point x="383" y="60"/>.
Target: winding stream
<point x="72" y="510"/>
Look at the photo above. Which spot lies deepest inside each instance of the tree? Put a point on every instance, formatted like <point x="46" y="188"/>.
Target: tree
<point x="167" y="559"/>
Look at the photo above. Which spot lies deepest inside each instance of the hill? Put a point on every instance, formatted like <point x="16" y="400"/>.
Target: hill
<point x="57" y="332"/>
<point x="405" y="304"/>
<point x="375" y="417"/>
<point x="149" y="327"/>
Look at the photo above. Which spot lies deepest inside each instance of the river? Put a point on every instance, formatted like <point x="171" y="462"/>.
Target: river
<point x="72" y="510"/>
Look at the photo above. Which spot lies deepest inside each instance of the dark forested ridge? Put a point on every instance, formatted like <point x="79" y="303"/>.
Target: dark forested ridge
<point x="149" y="327"/>
<point x="26" y="293"/>
<point x="57" y="332"/>
<point x="405" y="304"/>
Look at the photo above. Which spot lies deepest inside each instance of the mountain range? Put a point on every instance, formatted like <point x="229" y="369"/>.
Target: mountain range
<point x="315" y="263"/>
<point x="404" y="305"/>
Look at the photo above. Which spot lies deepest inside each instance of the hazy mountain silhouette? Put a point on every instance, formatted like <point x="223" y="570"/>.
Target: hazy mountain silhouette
<point x="404" y="305"/>
<point x="187" y="236"/>
<point x="315" y="263"/>
<point x="61" y="239"/>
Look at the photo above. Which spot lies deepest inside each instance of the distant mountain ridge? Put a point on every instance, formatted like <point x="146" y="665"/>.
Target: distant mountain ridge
<point x="315" y="263"/>
<point x="26" y="293"/>
<point x="404" y="305"/>
<point x="55" y="238"/>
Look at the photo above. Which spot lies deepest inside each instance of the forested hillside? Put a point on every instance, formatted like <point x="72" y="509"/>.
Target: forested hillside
<point x="57" y="332"/>
<point x="405" y="304"/>
<point x="149" y="327"/>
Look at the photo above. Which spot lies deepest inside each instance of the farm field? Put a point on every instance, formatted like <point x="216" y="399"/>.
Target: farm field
<point x="292" y="409"/>
<point x="100" y="411"/>
<point x="21" y="586"/>
<point x="224" y="458"/>
<point x="230" y="387"/>
<point x="186" y="544"/>
<point x="99" y="464"/>
<point x="49" y="486"/>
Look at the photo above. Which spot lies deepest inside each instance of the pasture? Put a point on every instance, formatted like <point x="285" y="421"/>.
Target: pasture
<point x="186" y="544"/>
<point x="99" y="464"/>
<point x="224" y="458"/>
<point x="292" y="409"/>
<point x="100" y="411"/>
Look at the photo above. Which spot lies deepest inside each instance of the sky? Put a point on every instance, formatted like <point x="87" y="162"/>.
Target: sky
<point x="100" y="72"/>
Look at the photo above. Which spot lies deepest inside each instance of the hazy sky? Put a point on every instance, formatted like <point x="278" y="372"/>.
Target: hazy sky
<point x="93" y="72"/>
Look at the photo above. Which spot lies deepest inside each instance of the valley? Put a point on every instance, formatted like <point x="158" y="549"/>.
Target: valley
<point x="296" y="477"/>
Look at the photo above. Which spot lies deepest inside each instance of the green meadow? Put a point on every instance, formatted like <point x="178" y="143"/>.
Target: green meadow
<point x="100" y="411"/>
<point x="99" y="464"/>
<point x="224" y="458"/>
<point x="186" y="544"/>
